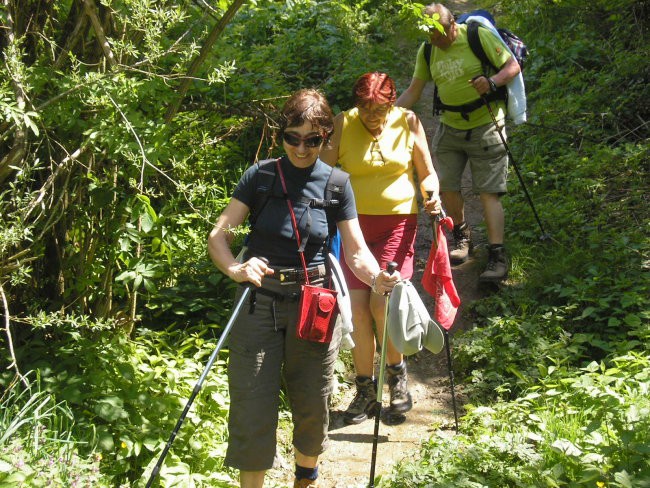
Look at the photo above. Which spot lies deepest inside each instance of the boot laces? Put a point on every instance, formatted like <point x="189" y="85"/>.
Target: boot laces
<point x="398" y="386"/>
<point x="493" y="260"/>
<point x="460" y="242"/>
<point x="363" y="397"/>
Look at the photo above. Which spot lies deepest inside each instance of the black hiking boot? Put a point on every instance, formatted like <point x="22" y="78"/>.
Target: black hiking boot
<point x="497" y="266"/>
<point x="363" y="403"/>
<point x="461" y="244"/>
<point x="400" y="398"/>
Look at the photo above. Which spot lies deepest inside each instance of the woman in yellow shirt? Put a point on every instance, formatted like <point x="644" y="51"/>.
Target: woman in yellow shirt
<point x="380" y="146"/>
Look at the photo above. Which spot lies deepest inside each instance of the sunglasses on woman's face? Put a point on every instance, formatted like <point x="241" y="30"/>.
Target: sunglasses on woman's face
<point x="293" y="140"/>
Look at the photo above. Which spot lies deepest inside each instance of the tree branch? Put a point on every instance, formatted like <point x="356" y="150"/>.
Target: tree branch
<point x="19" y="146"/>
<point x="207" y="47"/>
<point x="72" y="40"/>
<point x="50" y="180"/>
<point x="91" y="11"/>
<point x="14" y="363"/>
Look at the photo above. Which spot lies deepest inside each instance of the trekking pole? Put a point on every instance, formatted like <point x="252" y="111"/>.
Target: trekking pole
<point x="391" y="266"/>
<point x="451" y="376"/>
<point x="199" y="384"/>
<point x="435" y="221"/>
<point x="545" y="235"/>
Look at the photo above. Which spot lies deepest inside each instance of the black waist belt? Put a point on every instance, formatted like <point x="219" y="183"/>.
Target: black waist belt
<point x="292" y="297"/>
<point x="467" y="108"/>
<point x="291" y="276"/>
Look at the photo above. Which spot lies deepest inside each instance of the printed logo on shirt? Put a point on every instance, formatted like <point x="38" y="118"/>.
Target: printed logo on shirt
<point x="449" y="69"/>
<point x="499" y="51"/>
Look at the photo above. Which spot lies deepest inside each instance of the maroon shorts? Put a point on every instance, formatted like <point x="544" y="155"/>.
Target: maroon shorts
<point x="390" y="238"/>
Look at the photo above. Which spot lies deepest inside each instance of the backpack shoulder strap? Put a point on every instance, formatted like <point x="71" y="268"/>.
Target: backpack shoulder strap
<point x="333" y="194"/>
<point x="428" y="51"/>
<point x="428" y="48"/>
<point x="264" y="185"/>
<point x="336" y="185"/>
<point x="476" y="46"/>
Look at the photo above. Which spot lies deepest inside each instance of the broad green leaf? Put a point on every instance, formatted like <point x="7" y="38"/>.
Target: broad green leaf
<point x="110" y="408"/>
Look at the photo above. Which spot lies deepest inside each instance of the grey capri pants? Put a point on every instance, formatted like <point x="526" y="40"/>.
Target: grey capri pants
<point x="263" y="350"/>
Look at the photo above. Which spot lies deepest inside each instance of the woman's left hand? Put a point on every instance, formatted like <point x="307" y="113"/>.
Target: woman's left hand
<point x="432" y="206"/>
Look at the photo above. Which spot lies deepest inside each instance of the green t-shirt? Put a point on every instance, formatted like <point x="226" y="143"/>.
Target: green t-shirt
<point x="451" y="70"/>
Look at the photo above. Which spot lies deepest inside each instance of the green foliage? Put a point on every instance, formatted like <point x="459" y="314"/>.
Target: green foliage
<point x="560" y="355"/>
<point x="128" y="395"/>
<point x="586" y="427"/>
<point x="111" y="205"/>
<point x="37" y="447"/>
<point x="106" y="205"/>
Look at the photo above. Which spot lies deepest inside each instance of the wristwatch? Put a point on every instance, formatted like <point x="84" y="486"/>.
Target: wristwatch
<point x="493" y="85"/>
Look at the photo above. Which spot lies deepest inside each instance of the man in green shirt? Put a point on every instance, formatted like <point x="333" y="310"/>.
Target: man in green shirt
<point x="467" y="136"/>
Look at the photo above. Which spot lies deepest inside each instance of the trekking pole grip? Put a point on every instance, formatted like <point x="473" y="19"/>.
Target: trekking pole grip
<point x="442" y="213"/>
<point x="391" y="267"/>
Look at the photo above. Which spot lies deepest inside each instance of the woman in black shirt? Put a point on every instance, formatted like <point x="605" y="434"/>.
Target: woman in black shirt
<point x="263" y="344"/>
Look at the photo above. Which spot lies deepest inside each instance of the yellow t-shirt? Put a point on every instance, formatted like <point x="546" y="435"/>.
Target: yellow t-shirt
<point x="381" y="169"/>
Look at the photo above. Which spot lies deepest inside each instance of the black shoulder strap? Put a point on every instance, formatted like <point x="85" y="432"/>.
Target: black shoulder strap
<point x="336" y="185"/>
<point x="264" y="185"/>
<point x="427" y="53"/>
<point x="476" y="46"/>
<point x="333" y="193"/>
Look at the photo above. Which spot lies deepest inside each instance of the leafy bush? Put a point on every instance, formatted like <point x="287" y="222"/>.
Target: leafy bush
<point x="588" y="427"/>
<point x="127" y="396"/>
<point x="556" y="365"/>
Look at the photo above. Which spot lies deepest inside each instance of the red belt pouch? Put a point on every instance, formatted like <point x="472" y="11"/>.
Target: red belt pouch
<point x="318" y="309"/>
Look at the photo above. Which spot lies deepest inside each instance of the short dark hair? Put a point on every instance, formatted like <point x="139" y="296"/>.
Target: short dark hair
<point x="374" y="88"/>
<point x="308" y="105"/>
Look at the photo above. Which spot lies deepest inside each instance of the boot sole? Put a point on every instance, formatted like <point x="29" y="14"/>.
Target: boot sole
<point x="403" y="407"/>
<point x="367" y="414"/>
<point x="354" y="421"/>
<point x="492" y="280"/>
<point x="457" y="261"/>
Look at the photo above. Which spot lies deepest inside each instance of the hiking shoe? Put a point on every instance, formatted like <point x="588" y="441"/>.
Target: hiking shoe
<point x="305" y="483"/>
<point x="363" y="402"/>
<point x="461" y="244"/>
<point x="497" y="266"/>
<point x="400" y="398"/>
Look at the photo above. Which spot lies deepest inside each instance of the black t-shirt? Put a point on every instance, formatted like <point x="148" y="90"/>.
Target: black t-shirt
<point x="272" y="236"/>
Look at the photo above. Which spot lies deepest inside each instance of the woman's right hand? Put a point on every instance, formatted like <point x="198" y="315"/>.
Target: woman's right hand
<point x="252" y="270"/>
<point x="385" y="282"/>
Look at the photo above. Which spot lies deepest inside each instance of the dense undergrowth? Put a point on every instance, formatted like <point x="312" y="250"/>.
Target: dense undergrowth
<point x="557" y="363"/>
<point x="556" y="367"/>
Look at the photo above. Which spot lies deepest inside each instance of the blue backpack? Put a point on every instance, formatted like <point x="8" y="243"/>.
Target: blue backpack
<point x="514" y="43"/>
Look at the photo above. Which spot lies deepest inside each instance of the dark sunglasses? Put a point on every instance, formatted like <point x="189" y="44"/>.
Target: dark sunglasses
<point x="294" y="140"/>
